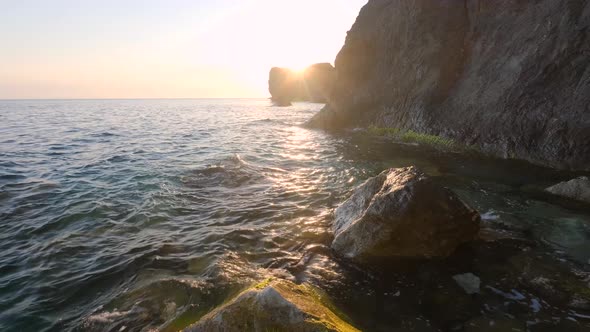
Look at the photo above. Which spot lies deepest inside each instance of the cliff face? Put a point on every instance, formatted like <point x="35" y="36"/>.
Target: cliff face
<point x="509" y="76"/>
<point x="314" y="84"/>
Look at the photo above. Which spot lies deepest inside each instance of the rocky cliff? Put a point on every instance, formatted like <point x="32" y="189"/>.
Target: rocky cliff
<point x="510" y="77"/>
<point x="313" y="84"/>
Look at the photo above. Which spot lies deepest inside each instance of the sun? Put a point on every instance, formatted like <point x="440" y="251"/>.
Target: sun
<point x="297" y="62"/>
<point x="299" y="70"/>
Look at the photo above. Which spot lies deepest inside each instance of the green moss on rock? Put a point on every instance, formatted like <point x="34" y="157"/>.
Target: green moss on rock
<point x="383" y="131"/>
<point x="274" y="305"/>
<point x="409" y="136"/>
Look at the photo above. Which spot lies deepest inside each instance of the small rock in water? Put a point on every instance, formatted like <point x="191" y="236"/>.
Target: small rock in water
<point x="469" y="282"/>
<point x="578" y="189"/>
<point x="500" y="324"/>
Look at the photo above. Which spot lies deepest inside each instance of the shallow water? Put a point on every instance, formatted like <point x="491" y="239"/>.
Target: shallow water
<point x="129" y="215"/>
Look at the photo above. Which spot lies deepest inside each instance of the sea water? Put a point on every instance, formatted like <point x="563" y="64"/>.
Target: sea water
<point x="131" y="215"/>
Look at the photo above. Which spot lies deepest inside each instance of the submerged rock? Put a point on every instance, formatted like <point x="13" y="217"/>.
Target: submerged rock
<point x="402" y="213"/>
<point x="569" y="325"/>
<point x="274" y="305"/>
<point x="554" y="281"/>
<point x="578" y="189"/>
<point x="447" y="305"/>
<point x="501" y="324"/>
<point x="469" y="282"/>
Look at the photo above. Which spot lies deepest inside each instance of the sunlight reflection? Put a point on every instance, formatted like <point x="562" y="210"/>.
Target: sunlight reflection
<point x="299" y="145"/>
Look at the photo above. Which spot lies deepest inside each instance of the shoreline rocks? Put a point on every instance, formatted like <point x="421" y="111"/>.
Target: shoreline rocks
<point x="273" y="305"/>
<point x="402" y="213"/>
<point x="578" y="189"/>
<point x="510" y="79"/>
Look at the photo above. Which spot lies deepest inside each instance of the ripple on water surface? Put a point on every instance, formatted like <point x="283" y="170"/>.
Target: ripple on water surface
<point x="130" y="215"/>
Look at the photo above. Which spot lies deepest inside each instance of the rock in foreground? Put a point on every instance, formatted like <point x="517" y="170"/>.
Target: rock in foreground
<point x="276" y="305"/>
<point x="578" y="189"/>
<point x="402" y="213"/>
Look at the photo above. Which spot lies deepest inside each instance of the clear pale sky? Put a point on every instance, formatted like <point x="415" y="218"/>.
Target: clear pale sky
<point x="162" y="49"/>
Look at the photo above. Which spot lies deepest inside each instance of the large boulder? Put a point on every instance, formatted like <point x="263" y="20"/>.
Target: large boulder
<point x="274" y="305"/>
<point x="509" y="77"/>
<point x="578" y="189"/>
<point x="402" y="213"/>
<point x="314" y="84"/>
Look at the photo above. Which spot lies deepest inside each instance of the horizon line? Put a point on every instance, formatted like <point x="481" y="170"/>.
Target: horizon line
<point x="140" y="98"/>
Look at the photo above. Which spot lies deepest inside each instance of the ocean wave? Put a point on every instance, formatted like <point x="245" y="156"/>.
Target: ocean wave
<point x="229" y="172"/>
<point x="155" y="305"/>
<point x="490" y="215"/>
<point x="268" y="121"/>
<point x="104" y="134"/>
<point x="161" y="220"/>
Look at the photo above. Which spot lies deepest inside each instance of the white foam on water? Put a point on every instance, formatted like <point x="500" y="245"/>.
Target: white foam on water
<point x="490" y="216"/>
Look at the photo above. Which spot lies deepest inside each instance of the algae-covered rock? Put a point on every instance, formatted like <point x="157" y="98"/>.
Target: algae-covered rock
<point x="274" y="305"/>
<point x="402" y="213"/>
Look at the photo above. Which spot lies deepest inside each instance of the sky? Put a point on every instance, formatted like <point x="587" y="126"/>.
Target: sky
<point x="162" y="49"/>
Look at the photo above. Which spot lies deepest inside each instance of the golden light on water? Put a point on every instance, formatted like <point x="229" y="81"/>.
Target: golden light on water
<point x="300" y="147"/>
<point x="298" y="144"/>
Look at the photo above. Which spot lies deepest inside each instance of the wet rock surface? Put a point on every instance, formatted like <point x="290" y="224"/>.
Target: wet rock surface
<point x="274" y="305"/>
<point x="402" y="213"/>
<point x="396" y="289"/>
<point x="553" y="281"/>
<point x="469" y="282"/>
<point x="578" y="189"/>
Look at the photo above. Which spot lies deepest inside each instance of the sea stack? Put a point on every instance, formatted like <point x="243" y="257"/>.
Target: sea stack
<point x="314" y="84"/>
